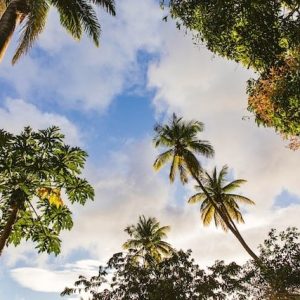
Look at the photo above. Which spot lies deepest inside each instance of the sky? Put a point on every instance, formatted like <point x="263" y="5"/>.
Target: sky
<point x="106" y="100"/>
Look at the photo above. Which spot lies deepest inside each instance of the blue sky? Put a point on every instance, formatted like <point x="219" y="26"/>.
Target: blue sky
<point x="107" y="100"/>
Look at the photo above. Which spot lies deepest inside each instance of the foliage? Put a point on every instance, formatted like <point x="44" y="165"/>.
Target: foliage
<point x="181" y="139"/>
<point x="91" y="285"/>
<point x="146" y="240"/>
<point x="253" y="33"/>
<point x="275" y="97"/>
<point x="279" y="279"/>
<point x="75" y="16"/>
<point x="36" y="167"/>
<point x="178" y="277"/>
<point x="221" y="192"/>
<point x="262" y="35"/>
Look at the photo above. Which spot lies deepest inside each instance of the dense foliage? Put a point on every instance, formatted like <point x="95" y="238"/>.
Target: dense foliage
<point x="275" y="97"/>
<point x="279" y="279"/>
<point x="36" y="167"/>
<point x="253" y="33"/>
<point x="178" y="277"/>
<point x="262" y="35"/>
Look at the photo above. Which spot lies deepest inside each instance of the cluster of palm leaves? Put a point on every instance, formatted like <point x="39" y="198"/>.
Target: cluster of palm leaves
<point x="76" y="16"/>
<point x="218" y="202"/>
<point x="146" y="241"/>
<point x="218" y="188"/>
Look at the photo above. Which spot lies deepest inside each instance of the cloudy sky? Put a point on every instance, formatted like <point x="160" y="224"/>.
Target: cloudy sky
<point x="107" y="100"/>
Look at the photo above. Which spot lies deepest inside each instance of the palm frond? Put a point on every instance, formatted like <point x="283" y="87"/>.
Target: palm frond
<point x="162" y="140"/>
<point x="76" y="15"/>
<point x="108" y="5"/>
<point x="195" y="126"/>
<point x="34" y="25"/>
<point x="191" y="162"/>
<point x="197" y="198"/>
<point x="234" y="213"/>
<point x="174" y="167"/>
<point x="202" y="147"/>
<point x="207" y="215"/>
<point x="241" y="199"/>
<point x="89" y="21"/>
<point x="161" y="231"/>
<point x="131" y="244"/>
<point x="165" y="248"/>
<point x="183" y="172"/>
<point x="205" y="204"/>
<point x="222" y="175"/>
<point x="69" y="16"/>
<point x="162" y="159"/>
<point x="233" y="185"/>
<point x="221" y="222"/>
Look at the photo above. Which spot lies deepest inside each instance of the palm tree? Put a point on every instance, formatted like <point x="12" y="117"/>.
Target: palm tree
<point x="181" y="139"/>
<point x="76" y="16"/>
<point x="182" y="142"/>
<point x="146" y="240"/>
<point x="221" y="192"/>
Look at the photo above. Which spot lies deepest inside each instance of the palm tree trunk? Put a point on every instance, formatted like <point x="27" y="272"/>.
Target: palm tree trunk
<point x="227" y="219"/>
<point x="237" y="234"/>
<point x="13" y="15"/>
<point x="8" y="227"/>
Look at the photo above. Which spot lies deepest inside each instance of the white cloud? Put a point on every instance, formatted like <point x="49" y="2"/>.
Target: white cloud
<point x="45" y="280"/>
<point x="16" y="114"/>
<point x="83" y="76"/>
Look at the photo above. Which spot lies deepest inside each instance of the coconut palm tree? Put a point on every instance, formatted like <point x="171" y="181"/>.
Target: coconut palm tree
<point x="181" y="140"/>
<point x="146" y="240"/>
<point x="221" y="192"/>
<point x="76" y="16"/>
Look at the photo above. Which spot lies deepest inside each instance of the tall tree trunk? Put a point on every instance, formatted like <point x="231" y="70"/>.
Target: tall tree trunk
<point x="8" y="227"/>
<point x="227" y="219"/>
<point x="13" y="15"/>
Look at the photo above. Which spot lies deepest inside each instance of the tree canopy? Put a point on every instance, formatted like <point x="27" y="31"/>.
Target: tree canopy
<point x="280" y="277"/>
<point x="254" y="33"/>
<point x="36" y="169"/>
<point x="179" y="277"/>
<point x="261" y="35"/>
